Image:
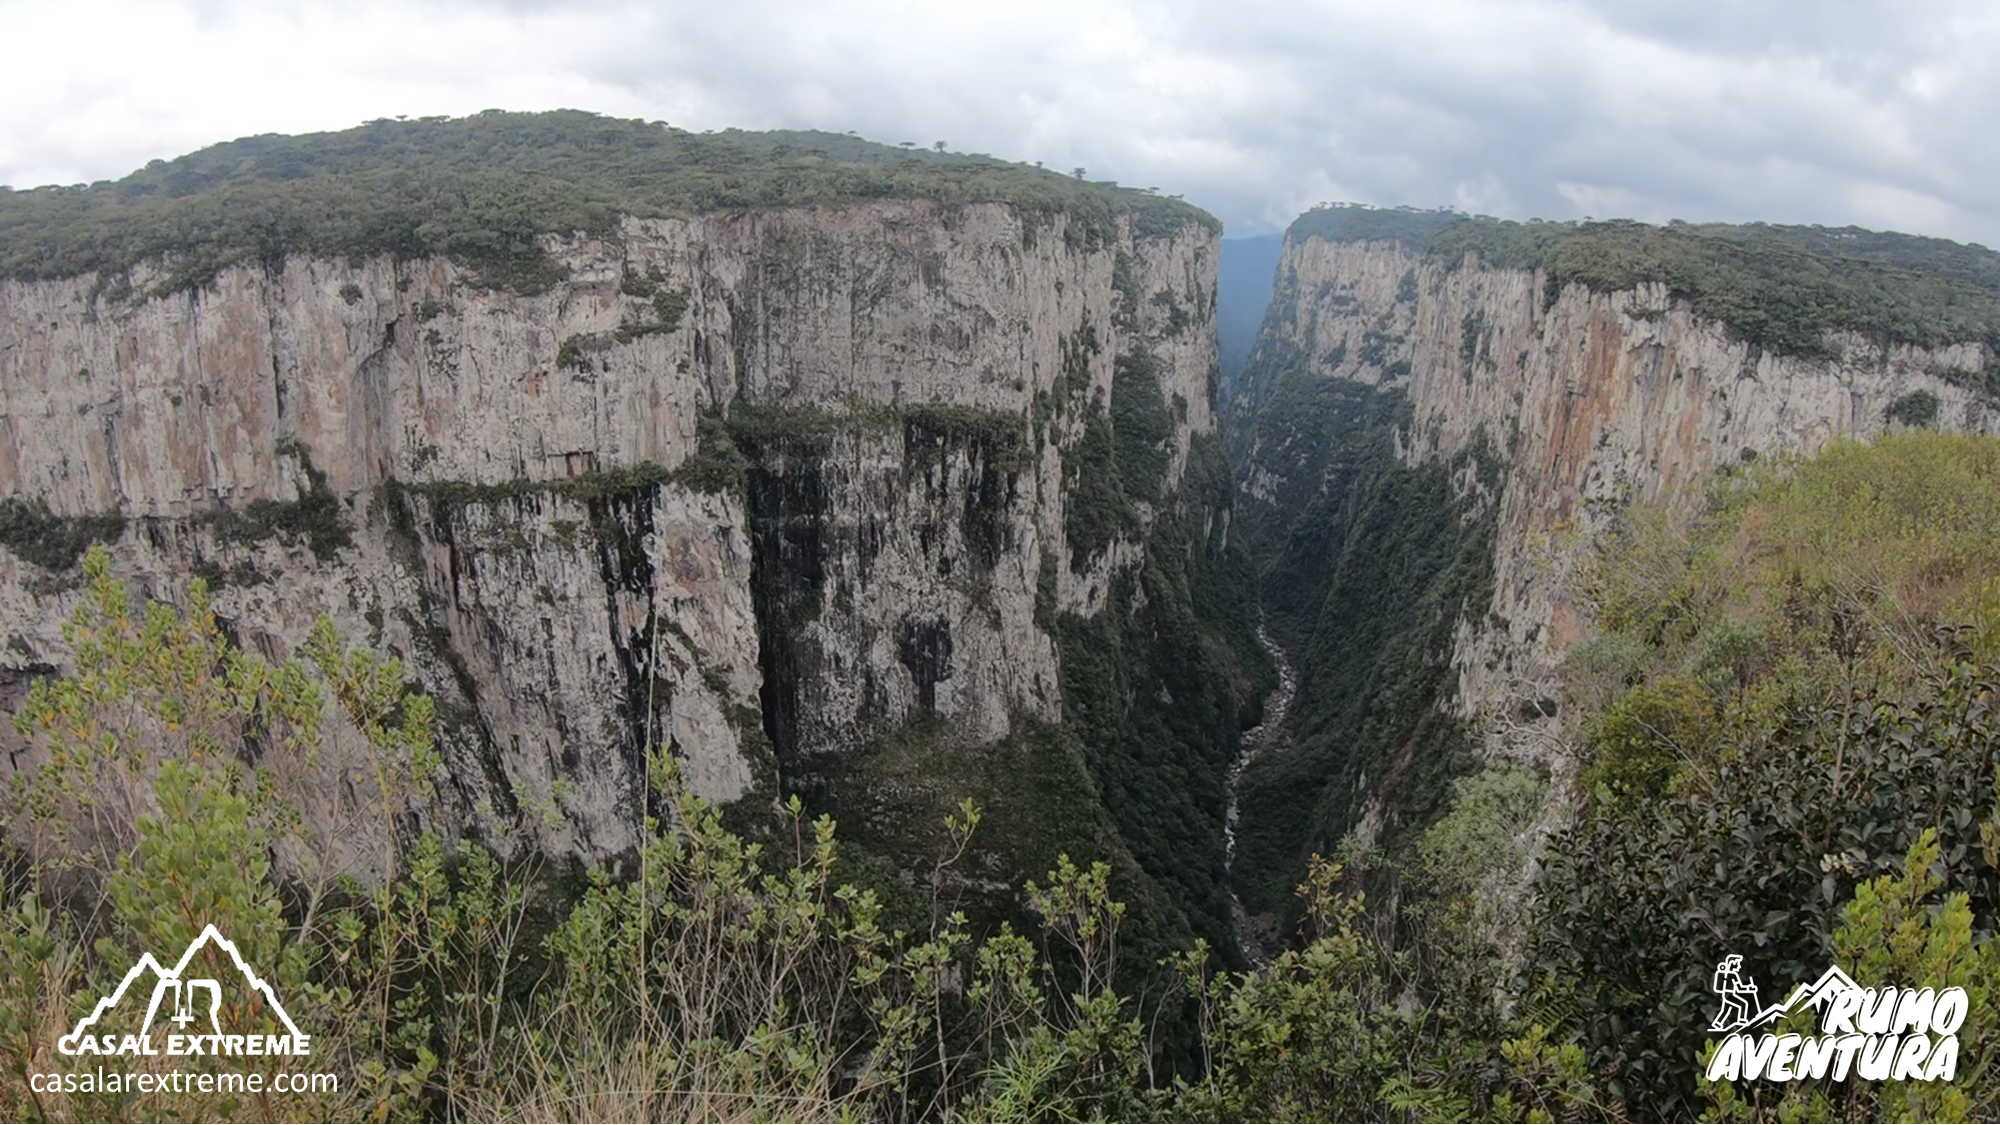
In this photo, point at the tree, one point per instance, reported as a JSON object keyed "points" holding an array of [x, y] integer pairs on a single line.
{"points": [[328, 745], [174, 781]]}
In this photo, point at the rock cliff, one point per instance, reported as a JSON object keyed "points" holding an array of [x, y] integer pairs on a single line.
{"points": [[759, 485], [1541, 410]]}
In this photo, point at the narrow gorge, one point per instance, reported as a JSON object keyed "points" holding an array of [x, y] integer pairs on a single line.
{"points": [[619, 622], [885, 479]]}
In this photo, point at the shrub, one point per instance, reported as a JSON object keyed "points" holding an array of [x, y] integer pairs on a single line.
{"points": [[1781, 701], [316, 517], [1754, 853], [569, 357], [1804, 576], [1918, 408], [1639, 746], [52, 542]]}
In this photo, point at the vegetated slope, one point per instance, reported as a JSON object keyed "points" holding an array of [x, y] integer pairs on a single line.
{"points": [[1366, 568], [481, 190], [1773, 705], [1818, 802]]}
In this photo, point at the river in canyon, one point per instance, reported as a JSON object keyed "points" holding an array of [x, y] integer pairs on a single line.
{"points": [[1255, 742]]}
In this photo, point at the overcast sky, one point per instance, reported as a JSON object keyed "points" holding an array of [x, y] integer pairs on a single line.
{"points": [[1826, 111]]}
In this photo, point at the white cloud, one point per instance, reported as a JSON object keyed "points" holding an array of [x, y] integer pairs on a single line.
{"points": [[1833, 111]]}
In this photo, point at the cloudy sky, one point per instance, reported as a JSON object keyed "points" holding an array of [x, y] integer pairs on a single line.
{"points": [[1826, 111]]}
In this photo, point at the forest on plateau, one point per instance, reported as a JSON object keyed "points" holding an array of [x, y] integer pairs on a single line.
{"points": [[1780, 287], [483, 189]]}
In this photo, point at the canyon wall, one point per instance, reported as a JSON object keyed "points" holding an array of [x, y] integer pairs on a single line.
{"points": [[1543, 413], [758, 485]]}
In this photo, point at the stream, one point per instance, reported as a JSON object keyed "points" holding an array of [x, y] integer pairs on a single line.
{"points": [[1254, 742]]}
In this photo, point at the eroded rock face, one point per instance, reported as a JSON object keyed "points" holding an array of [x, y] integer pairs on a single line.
{"points": [[510, 475], [1592, 402]]}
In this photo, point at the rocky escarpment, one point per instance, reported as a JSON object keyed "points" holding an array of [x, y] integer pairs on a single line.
{"points": [[1524, 415], [761, 486]]}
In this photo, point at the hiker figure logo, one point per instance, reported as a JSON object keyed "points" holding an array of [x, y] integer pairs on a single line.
{"points": [[1875, 1034], [183, 1013], [1733, 986]]}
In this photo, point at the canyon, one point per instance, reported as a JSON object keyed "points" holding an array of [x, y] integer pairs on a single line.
{"points": [[885, 491]]}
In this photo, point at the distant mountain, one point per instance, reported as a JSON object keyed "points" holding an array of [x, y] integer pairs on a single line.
{"points": [[1248, 265]]}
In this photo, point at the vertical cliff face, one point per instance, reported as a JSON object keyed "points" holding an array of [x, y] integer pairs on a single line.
{"points": [[1531, 414], [762, 486]]}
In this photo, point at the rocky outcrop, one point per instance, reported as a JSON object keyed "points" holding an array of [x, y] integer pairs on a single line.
{"points": [[1591, 401], [755, 485]]}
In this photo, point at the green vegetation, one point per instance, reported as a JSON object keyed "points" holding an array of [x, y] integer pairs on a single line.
{"points": [[1760, 845], [569, 356], [242, 575], [1804, 578], [706, 976], [999, 436], [1153, 685], [316, 517], [52, 542], [668, 307], [1366, 566], [1038, 798], [1157, 686], [1142, 427], [483, 189], [1789, 740], [1780, 287], [1355, 223], [1918, 408], [1095, 510], [1781, 705], [1121, 458], [716, 465]]}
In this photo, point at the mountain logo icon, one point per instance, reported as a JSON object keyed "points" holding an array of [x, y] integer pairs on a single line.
{"points": [[1895, 1033], [183, 1013], [1738, 994]]}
